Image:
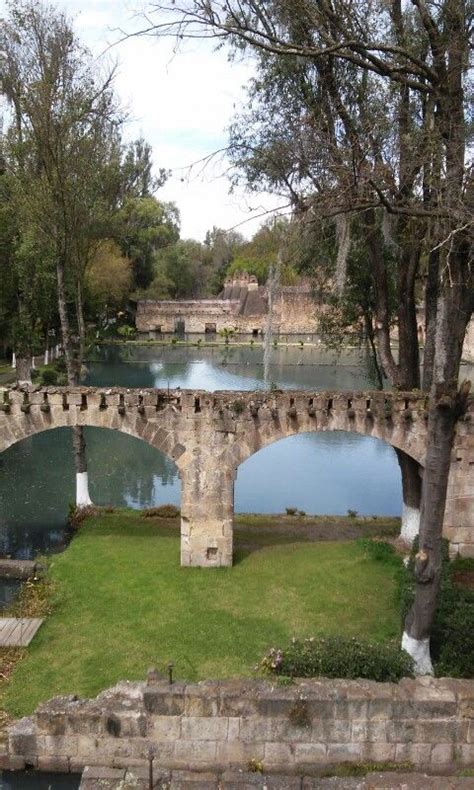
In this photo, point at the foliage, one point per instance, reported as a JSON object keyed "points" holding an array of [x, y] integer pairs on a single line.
{"points": [[126, 331], [291, 511], [339, 657], [162, 511], [143, 226], [108, 278], [49, 376]]}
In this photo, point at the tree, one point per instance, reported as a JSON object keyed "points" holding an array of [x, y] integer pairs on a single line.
{"points": [[419, 53], [61, 138], [143, 226], [108, 278]]}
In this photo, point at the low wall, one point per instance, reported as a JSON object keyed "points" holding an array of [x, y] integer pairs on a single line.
{"points": [[215, 725]]}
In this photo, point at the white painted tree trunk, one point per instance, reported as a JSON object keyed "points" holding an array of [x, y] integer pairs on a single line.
{"points": [[82, 490], [13, 360], [419, 650], [46, 356], [410, 523]]}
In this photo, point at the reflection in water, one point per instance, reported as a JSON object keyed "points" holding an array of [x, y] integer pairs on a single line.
{"points": [[323, 473]]}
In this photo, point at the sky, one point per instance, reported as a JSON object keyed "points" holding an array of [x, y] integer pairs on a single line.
{"points": [[181, 103]]}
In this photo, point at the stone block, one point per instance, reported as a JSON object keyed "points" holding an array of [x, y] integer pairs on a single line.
{"points": [[195, 753], [331, 730], [417, 753], [159, 700], [378, 752], [200, 705], [344, 752], [280, 754], [238, 753], [60, 745], [363, 730], [164, 728], [52, 764], [190, 780], [465, 754], [202, 728], [11, 762], [442, 754], [310, 753], [101, 772]]}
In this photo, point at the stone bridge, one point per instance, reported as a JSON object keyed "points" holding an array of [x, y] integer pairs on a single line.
{"points": [[208, 435]]}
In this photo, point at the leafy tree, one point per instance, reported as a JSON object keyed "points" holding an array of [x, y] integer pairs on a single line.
{"points": [[143, 226], [108, 278], [60, 142]]}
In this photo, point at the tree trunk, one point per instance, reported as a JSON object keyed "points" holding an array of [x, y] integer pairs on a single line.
{"points": [[82, 483], [454, 310], [411, 487], [23, 370]]}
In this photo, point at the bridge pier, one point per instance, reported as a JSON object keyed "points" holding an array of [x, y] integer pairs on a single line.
{"points": [[458, 524], [207, 512]]}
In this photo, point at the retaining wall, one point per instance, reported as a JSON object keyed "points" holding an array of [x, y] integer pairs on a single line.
{"points": [[217, 725]]}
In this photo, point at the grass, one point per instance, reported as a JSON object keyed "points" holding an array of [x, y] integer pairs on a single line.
{"points": [[121, 603]]}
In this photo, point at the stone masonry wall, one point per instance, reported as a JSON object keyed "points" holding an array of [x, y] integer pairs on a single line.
{"points": [[217, 725]]}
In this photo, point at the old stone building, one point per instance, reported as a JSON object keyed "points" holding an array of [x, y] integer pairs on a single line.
{"points": [[241, 306]]}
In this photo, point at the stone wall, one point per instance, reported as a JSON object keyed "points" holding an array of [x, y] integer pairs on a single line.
{"points": [[162, 316], [216, 725]]}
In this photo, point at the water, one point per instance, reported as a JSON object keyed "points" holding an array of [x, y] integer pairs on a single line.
{"points": [[325, 473], [22, 780]]}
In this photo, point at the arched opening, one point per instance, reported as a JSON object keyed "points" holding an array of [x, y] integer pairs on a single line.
{"points": [[325, 473], [37, 484]]}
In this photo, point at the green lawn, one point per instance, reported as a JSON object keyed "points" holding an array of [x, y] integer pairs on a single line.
{"points": [[122, 603]]}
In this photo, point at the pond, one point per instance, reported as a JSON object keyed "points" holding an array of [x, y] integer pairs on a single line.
{"points": [[326, 473]]}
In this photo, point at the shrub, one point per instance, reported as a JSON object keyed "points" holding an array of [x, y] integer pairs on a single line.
{"points": [[162, 511], [339, 657], [452, 636], [60, 364], [291, 511], [49, 376], [352, 513], [126, 331], [302, 513]]}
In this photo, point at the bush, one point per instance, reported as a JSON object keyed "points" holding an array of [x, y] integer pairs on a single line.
{"points": [[452, 636], [352, 513], [60, 364], [163, 511], [49, 376], [291, 511], [339, 657], [126, 331]]}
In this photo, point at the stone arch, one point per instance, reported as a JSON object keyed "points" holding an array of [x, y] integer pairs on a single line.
{"points": [[17, 425], [253, 440]]}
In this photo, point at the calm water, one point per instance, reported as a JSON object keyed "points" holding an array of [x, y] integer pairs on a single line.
{"points": [[318, 473], [33, 781]]}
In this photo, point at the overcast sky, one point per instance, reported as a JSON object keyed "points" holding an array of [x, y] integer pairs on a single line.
{"points": [[181, 103]]}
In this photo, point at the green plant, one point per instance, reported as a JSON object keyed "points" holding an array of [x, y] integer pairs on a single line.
{"points": [[255, 766], [162, 511], [352, 513], [126, 331], [238, 407], [339, 657], [302, 513], [291, 511], [60, 365], [49, 376], [174, 340]]}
